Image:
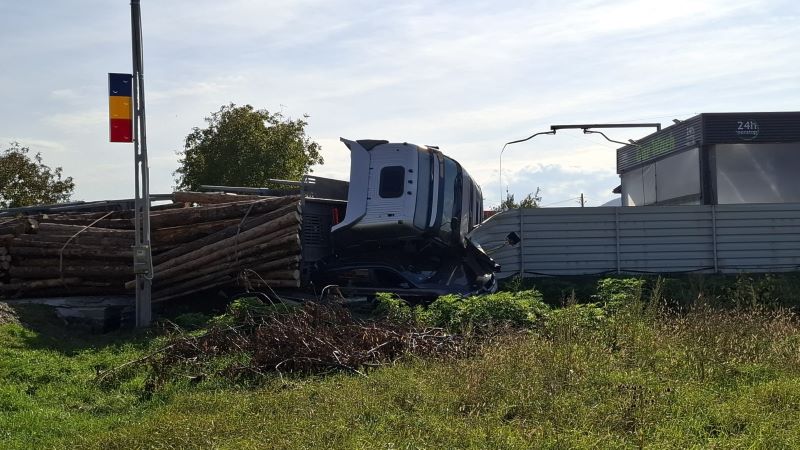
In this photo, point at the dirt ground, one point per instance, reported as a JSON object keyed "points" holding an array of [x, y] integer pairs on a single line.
{"points": [[7, 314]]}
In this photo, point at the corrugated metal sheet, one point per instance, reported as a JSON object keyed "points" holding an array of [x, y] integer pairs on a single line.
{"points": [[649, 239]]}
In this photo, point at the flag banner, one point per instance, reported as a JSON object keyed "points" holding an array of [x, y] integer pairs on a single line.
{"points": [[120, 107]]}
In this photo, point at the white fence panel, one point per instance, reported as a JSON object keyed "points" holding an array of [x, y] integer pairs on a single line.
{"points": [[649, 239]]}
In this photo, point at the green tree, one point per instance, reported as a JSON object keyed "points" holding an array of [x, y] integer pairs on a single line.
{"points": [[532, 200], [25, 180], [243, 146]]}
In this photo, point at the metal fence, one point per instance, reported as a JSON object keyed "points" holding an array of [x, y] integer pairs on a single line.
{"points": [[647, 239]]}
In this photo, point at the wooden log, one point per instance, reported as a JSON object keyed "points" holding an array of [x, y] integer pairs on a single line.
{"points": [[116, 224], [84, 251], [210, 198], [41, 284], [175, 217], [281, 261], [272, 241], [81, 239], [226, 233], [290, 220], [13, 227], [108, 271], [57, 228], [88, 217], [28, 242], [187, 233], [175, 205], [289, 241], [54, 261]]}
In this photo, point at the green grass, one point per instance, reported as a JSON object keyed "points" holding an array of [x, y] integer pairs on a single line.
{"points": [[615, 375]]}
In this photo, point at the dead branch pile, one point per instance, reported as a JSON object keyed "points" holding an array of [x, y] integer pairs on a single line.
{"points": [[314, 338], [200, 241]]}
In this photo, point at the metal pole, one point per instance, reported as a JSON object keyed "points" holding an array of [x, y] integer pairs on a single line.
{"points": [[142, 260]]}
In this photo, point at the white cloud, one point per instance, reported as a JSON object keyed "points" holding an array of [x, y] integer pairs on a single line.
{"points": [[35, 144], [79, 121], [466, 76]]}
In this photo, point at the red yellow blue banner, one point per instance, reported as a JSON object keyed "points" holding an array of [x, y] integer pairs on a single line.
{"points": [[120, 107]]}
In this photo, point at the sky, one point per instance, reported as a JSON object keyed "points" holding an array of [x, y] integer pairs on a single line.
{"points": [[467, 76]]}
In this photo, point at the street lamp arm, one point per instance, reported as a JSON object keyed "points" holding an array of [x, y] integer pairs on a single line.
{"points": [[504, 149], [526, 139], [585, 131]]}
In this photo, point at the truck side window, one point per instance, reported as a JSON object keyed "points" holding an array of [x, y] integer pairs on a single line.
{"points": [[392, 182]]}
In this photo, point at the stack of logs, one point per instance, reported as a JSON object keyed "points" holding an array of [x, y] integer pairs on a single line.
{"points": [[200, 241]]}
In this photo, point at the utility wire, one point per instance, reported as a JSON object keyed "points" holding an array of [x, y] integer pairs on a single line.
{"points": [[561, 201]]}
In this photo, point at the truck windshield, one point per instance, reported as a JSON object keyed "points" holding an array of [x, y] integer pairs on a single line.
{"points": [[450, 207]]}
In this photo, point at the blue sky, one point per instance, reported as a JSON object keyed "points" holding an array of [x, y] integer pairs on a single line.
{"points": [[467, 76]]}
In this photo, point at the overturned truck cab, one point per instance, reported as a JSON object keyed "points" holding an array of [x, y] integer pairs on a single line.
{"points": [[405, 227]]}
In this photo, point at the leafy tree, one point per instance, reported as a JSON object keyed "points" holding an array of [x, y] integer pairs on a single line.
{"points": [[532, 200], [25, 180], [243, 146]]}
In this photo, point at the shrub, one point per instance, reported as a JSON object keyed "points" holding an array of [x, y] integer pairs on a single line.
{"points": [[614, 293], [191, 321], [393, 308], [456, 313], [519, 309], [587, 316]]}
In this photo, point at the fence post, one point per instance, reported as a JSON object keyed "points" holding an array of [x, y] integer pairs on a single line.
{"points": [[714, 236], [521, 244], [616, 238]]}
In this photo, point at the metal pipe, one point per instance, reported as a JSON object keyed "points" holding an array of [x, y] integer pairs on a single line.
{"points": [[655, 125]]}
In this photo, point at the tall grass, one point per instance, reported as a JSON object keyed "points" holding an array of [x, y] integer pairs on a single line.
{"points": [[626, 369]]}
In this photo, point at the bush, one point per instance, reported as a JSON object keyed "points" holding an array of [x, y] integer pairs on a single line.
{"points": [[191, 321], [587, 316], [455, 313], [394, 308], [245, 309], [615, 293]]}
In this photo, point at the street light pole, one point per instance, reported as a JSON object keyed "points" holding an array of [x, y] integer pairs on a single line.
{"points": [[504, 149], [142, 256]]}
